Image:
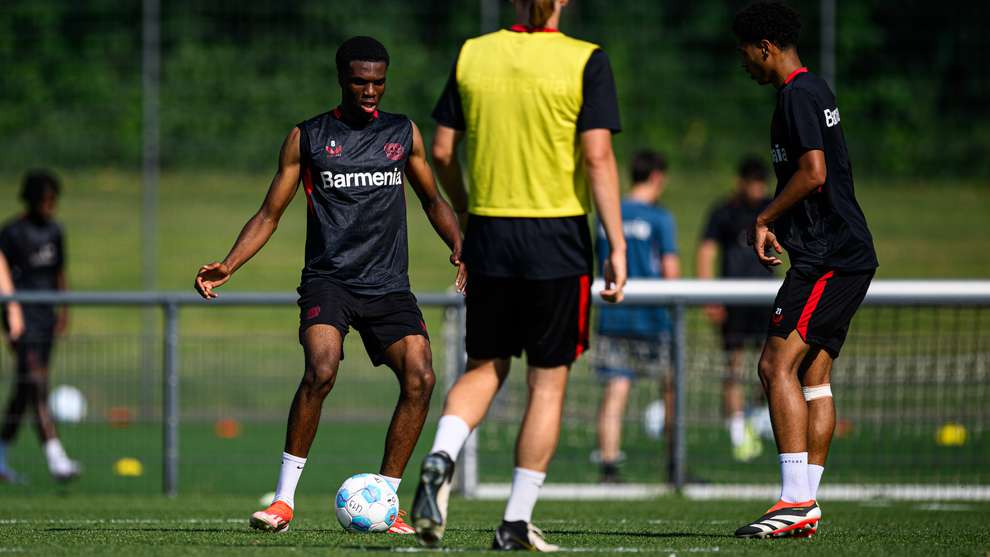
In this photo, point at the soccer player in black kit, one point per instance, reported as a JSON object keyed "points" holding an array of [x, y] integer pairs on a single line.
{"points": [[34, 246], [815, 216], [351, 161]]}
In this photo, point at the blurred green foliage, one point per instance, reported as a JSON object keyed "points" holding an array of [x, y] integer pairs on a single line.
{"points": [[236, 76]]}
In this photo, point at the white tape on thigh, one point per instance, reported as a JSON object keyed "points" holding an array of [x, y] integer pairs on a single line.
{"points": [[818, 391]]}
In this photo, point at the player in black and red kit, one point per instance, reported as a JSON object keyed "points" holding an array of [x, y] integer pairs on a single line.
{"points": [[351, 161], [34, 246], [815, 216]]}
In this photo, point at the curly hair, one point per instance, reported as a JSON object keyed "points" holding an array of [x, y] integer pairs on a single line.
{"points": [[364, 49], [773, 21], [36, 185]]}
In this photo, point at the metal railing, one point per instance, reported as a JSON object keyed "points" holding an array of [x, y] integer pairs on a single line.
{"points": [[677, 294]]}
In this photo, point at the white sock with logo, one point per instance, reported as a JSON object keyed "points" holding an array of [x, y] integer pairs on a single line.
{"points": [[815, 472], [452, 433], [794, 477], [288, 478], [526, 486], [737, 428], [394, 482]]}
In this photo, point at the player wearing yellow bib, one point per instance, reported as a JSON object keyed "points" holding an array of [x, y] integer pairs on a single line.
{"points": [[535, 110]]}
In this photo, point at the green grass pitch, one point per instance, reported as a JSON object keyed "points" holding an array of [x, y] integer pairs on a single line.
{"points": [[214, 526]]}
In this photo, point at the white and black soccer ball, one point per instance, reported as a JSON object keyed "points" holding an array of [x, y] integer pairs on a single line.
{"points": [[366, 503]]}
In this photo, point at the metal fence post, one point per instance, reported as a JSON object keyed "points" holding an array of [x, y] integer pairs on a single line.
{"points": [[680, 404], [170, 395]]}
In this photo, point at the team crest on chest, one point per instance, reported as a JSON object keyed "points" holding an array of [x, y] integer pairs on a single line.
{"points": [[333, 150], [394, 151]]}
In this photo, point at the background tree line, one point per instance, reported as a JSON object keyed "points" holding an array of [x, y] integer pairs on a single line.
{"points": [[236, 76]]}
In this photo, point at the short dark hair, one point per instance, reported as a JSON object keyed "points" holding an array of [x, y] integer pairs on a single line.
{"points": [[753, 169], [365, 49], [773, 21], [36, 184], [645, 162]]}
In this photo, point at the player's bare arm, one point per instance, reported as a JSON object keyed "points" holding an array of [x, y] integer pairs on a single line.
{"points": [[603, 175], [705, 269], [809, 177], [445, 142], [15, 318], [436, 208], [62, 319], [262, 225]]}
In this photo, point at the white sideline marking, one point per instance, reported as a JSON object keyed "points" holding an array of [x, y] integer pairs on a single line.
{"points": [[603, 549], [943, 507], [833, 492], [572, 492], [123, 521]]}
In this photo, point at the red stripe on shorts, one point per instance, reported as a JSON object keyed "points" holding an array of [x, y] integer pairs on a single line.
{"points": [[583, 301], [811, 304]]}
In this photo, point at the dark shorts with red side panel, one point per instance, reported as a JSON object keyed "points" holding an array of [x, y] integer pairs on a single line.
{"points": [[548, 319], [380, 319], [819, 305]]}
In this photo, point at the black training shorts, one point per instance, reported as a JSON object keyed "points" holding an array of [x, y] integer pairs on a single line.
{"points": [[819, 305], [34, 347], [548, 319], [744, 325], [380, 319]]}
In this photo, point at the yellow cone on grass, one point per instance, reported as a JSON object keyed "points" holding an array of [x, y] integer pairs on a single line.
{"points": [[951, 435], [128, 467]]}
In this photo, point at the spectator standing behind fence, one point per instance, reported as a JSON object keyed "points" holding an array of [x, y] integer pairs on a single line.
{"points": [[34, 246], [725, 236], [635, 340]]}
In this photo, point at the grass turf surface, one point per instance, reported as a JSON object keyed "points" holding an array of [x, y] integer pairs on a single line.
{"points": [[107, 525]]}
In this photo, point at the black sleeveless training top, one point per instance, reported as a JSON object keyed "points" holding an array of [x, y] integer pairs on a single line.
{"points": [[356, 224]]}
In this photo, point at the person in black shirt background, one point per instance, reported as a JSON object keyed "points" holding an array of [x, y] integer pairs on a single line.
{"points": [[815, 216], [725, 235], [34, 246]]}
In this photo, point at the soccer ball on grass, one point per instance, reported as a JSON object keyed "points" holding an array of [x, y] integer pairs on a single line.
{"points": [[366, 503]]}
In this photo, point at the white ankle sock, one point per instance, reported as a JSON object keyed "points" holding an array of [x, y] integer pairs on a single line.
{"points": [[394, 482], [525, 489], [794, 477], [288, 478], [55, 453], [737, 428], [452, 432], [815, 472]]}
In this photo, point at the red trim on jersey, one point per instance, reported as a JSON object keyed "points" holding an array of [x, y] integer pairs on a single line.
{"points": [[527, 29], [811, 304], [308, 186], [794, 74], [583, 300]]}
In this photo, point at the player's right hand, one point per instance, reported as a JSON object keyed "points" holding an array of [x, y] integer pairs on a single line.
{"points": [[209, 277], [615, 277]]}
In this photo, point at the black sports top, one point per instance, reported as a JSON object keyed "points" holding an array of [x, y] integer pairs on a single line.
{"points": [[356, 225], [827, 228]]}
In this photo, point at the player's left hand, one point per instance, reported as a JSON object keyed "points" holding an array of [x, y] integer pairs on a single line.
{"points": [[759, 237]]}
